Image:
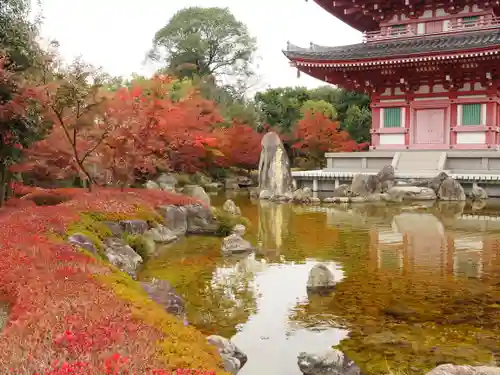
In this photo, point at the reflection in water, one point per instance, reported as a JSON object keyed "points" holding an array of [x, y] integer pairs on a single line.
{"points": [[274, 222], [271, 342], [418, 285]]}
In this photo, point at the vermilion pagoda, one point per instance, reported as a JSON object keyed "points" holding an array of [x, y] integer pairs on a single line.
{"points": [[431, 67]]}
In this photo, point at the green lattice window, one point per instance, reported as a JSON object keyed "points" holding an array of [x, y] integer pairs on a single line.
{"points": [[392, 117], [471, 114], [470, 21]]}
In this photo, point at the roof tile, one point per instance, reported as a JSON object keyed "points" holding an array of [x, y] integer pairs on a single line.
{"points": [[399, 47]]}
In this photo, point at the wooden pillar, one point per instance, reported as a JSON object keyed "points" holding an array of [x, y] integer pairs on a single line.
{"points": [[453, 119], [376, 113], [408, 119]]}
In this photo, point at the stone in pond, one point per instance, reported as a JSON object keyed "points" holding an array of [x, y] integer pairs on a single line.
{"points": [[231, 208], [82, 241], [478, 193], [320, 279], [449, 369], [200, 220], [232, 356], [329, 362], [239, 229], [122, 256], [165, 295], [235, 244], [451, 190]]}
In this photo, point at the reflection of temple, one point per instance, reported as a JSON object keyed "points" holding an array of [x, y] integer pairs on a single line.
{"points": [[443, 241]]}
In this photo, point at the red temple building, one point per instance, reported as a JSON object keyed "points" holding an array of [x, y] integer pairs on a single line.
{"points": [[431, 68]]}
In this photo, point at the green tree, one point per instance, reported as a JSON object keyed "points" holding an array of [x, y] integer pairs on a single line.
{"points": [[358, 122], [319, 106], [204, 41], [17, 34], [280, 108]]}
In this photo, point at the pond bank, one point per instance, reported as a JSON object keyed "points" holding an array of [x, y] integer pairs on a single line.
{"points": [[88, 310]]}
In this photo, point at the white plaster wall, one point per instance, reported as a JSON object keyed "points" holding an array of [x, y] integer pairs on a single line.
{"points": [[392, 139], [471, 138], [439, 88], [478, 86], [424, 89], [386, 92], [467, 87]]}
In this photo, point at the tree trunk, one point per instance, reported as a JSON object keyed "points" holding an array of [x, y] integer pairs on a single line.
{"points": [[3, 183]]}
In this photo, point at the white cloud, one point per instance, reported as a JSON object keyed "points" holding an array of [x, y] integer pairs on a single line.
{"points": [[116, 34]]}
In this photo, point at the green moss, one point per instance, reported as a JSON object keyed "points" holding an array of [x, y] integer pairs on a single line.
{"points": [[144, 246], [180, 347], [227, 221]]}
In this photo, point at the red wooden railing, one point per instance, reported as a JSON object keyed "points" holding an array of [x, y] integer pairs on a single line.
{"points": [[411, 31]]}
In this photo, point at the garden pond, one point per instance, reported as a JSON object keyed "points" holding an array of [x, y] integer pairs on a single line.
{"points": [[418, 285]]}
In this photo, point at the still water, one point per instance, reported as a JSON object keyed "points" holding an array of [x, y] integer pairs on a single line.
{"points": [[418, 287]]}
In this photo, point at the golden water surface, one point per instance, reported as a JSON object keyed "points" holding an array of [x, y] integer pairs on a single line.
{"points": [[418, 286]]}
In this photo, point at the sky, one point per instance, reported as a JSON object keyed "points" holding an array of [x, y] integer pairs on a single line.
{"points": [[116, 34]]}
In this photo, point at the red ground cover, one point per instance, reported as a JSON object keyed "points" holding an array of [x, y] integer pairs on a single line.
{"points": [[64, 320]]}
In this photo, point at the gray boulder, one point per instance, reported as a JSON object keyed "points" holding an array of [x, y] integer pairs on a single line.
{"points": [[449, 369], [167, 182], [151, 185], [320, 279], [197, 192], [478, 193], [230, 207], [200, 220], [329, 362], [239, 229], [303, 195], [235, 244], [161, 234], [82, 241], [115, 227], [342, 191], [274, 166], [175, 218], [232, 356], [122, 256], [435, 183], [364, 185], [451, 190], [165, 295], [134, 226], [409, 193]]}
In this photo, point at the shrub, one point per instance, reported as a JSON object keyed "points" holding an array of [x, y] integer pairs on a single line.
{"points": [[227, 222]]}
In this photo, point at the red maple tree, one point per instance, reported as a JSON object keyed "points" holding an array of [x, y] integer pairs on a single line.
{"points": [[240, 146], [315, 134]]}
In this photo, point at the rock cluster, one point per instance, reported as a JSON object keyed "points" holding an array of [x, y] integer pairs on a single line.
{"points": [[180, 220], [334, 362], [384, 187]]}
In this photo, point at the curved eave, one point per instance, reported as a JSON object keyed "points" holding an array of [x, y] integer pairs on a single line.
{"points": [[402, 59], [357, 21]]}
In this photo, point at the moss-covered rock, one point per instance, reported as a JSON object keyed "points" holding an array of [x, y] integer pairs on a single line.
{"points": [[227, 221], [142, 245]]}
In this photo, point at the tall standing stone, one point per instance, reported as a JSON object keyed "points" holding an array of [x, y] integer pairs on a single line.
{"points": [[275, 176]]}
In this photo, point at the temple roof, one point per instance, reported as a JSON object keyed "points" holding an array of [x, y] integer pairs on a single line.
{"points": [[397, 48]]}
